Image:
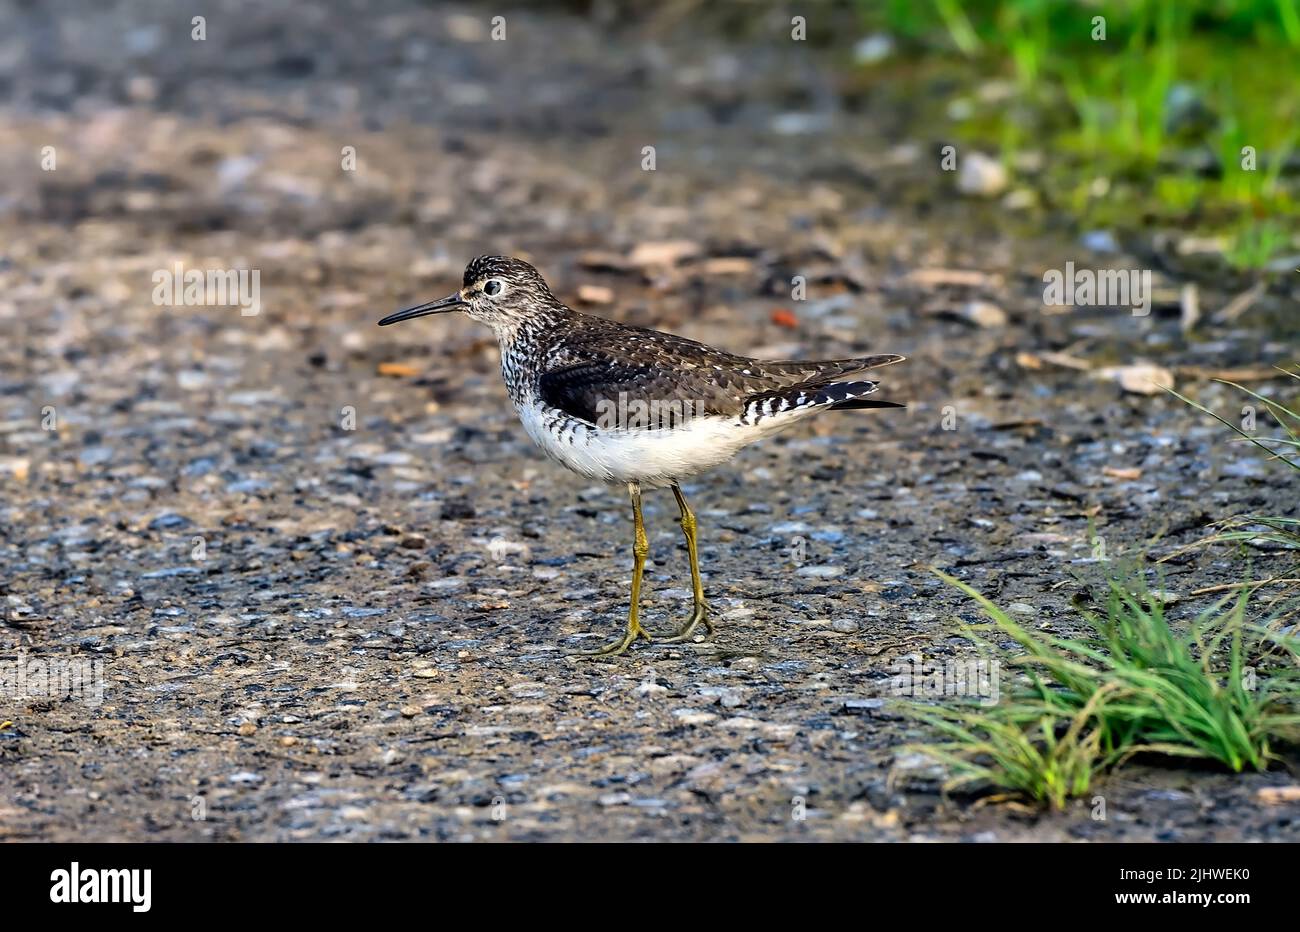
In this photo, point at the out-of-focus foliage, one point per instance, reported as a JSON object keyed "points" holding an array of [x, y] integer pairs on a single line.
{"points": [[1189, 109]]}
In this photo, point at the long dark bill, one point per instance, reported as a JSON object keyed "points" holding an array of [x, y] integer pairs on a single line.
{"points": [[441, 306]]}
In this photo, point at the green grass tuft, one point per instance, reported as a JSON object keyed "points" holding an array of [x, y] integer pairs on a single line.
{"points": [[1133, 684]]}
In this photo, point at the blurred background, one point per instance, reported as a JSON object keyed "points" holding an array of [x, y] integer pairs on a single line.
{"points": [[857, 144], [820, 179]]}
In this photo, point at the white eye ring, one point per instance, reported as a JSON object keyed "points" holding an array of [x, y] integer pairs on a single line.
{"points": [[494, 292]]}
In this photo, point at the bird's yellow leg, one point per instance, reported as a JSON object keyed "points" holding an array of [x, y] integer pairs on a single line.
{"points": [[700, 611], [640, 549]]}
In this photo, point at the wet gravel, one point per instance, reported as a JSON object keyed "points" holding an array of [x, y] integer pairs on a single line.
{"points": [[333, 587]]}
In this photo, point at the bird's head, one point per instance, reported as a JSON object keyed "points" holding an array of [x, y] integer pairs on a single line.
{"points": [[498, 290]]}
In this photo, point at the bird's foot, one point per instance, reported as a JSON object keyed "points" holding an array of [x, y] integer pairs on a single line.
{"points": [[700, 614], [613, 649]]}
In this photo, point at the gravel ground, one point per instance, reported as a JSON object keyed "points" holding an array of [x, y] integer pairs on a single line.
{"points": [[332, 586]]}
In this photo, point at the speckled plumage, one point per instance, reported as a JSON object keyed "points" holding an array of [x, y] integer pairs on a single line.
{"points": [[573, 378]]}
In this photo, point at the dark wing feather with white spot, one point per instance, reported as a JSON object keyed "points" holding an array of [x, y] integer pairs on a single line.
{"points": [[830, 395]]}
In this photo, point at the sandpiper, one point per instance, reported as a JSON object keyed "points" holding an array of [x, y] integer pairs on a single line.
{"points": [[639, 407]]}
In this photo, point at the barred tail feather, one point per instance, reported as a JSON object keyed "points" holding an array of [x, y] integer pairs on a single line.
{"points": [[811, 396]]}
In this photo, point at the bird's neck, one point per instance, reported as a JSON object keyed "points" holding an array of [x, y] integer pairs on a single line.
{"points": [[522, 333], [524, 343]]}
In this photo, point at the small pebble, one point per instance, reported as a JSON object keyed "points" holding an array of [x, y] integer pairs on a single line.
{"points": [[980, 176]]}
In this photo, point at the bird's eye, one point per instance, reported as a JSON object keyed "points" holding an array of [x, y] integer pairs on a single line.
{"points": [[493, 287]]}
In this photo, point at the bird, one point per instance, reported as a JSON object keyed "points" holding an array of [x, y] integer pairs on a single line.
{"points": [[636, 407]]}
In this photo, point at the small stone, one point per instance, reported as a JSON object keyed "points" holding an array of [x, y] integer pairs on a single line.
{"points": [[650, 803], [1139, 378], [821, 572], [980, 176], [142, 89], [983, 314], [463, 27], [191, 380], [1100, 241], [595, 294], [1022, 608], [739, 613], [730, 697], [707, 776], [870, 50], [799, 123], [1276, 795], [844, 625], [18, 467], [918, 765], [1244, 469], [1020, 199], [410, 711], [1189, 305], [457, 509], [862, 705], [169, 521], [1168, 796], [790, 527], [247, 730], [354, 611], [578, 595], [1122, 472], [726, 265], [1200, 245], [672, 764], [668, 253], [694, 716], [95, 456]]}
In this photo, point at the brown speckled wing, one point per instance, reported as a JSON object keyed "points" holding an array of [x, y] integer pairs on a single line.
{"points": [[598, 364]]}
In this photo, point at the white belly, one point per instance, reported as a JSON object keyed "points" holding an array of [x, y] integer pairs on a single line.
{"points": [[651, 457]]}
